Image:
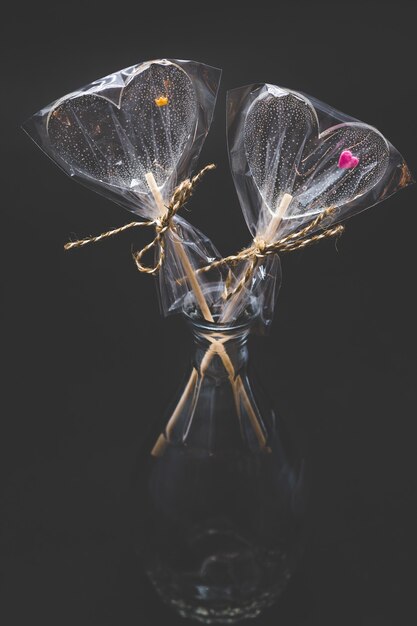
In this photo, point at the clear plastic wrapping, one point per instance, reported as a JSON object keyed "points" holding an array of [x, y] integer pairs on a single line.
{"points": [[294, 158], [298, 166], [143, 124]]}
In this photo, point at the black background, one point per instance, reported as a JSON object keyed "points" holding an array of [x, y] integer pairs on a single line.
{"points": [[89, 363]]}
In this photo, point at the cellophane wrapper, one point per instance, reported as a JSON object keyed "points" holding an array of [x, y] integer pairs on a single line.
{"points": [[153, 118], [282, 142]]}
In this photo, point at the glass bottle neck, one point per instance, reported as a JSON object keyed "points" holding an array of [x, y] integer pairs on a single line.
{"points": [[218, 409], [221, 351]]}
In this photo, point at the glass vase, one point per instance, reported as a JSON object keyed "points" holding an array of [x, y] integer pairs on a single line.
{"points": [[221, 496]]}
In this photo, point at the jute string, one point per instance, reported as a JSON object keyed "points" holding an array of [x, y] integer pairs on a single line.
{"points": [[260, 249], [162, 224]]}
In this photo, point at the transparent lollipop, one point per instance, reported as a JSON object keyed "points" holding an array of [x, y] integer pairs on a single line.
{"points": [[300, 172], [134, 136], [294, 160], [146, 132]]}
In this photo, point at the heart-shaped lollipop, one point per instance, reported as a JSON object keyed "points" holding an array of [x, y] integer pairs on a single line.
{"points": [[290, 160], [134, 136], [117, 139], [299, 168]]}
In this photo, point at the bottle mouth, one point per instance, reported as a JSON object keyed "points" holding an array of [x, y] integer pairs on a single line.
{"points": [[246, 319]]}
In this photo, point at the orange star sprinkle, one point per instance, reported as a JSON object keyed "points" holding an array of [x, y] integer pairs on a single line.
{"points": [[162, 101]]}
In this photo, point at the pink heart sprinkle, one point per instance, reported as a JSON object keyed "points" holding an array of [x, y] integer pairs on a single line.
{"points": [[347, 160]]}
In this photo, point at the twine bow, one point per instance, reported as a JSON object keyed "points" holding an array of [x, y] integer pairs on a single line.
{"points": [[162, 225], [260, 249]]}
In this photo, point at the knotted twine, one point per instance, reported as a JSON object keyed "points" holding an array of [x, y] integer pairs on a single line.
{"points": [[260, 249], [162, 225], [255, 253]]}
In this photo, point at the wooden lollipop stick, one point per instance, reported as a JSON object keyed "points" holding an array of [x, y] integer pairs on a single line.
{"points": [[163, 438], [272, 227], [214, 348], [268, 235], [185, 261], [190, 273]]}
